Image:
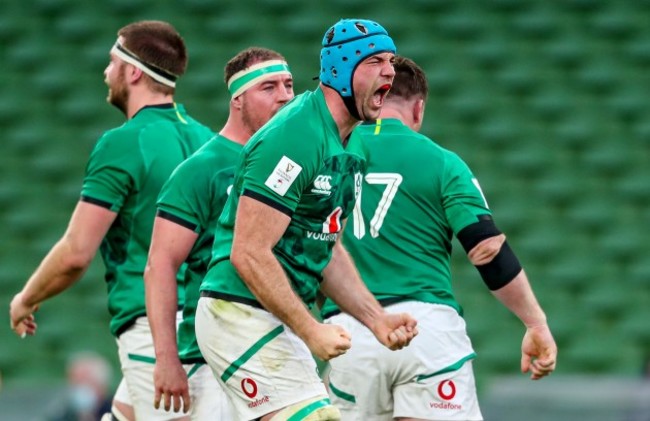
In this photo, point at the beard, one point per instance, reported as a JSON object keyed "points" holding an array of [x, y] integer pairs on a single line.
{"points": [[251, 118], [118, 94]]}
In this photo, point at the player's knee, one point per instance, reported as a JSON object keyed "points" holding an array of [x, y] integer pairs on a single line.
{"points": [[115, 415], [315, 409]]}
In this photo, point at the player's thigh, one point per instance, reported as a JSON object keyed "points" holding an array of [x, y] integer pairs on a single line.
{"points": [[137, 359], [262, 364], [121, 408], [209, 401], [447, 396]]}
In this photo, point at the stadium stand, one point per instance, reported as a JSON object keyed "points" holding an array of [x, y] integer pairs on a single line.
{"points": [[546, 101]]}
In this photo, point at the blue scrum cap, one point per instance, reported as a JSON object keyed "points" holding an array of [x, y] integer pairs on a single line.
{"points": [[345, 45]]}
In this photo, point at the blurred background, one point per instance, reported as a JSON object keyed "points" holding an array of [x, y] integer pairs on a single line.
{"points": [[547, 101]]}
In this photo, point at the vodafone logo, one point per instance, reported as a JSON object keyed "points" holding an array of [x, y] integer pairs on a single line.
{"points": [[249, 387], [446, 390]]}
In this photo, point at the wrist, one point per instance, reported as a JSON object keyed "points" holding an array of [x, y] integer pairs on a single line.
{"points": [[306, 327], [535, 323], [166, 353], [371, 315], [27, 300]]}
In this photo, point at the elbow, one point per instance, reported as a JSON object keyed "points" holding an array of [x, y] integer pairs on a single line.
{"points": [[239, 257], [243, 258], [161, 268], [77, 260], [148, 273], [485, 251], [75, 254], [501, 269]]}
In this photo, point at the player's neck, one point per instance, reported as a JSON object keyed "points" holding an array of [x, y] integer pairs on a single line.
{"points": [[138, 100], [400, 111], [235, 130], [344, 121]]}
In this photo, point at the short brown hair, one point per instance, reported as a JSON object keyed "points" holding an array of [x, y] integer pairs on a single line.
{"points": [[247, 58], [409, 81], [159, 44]]}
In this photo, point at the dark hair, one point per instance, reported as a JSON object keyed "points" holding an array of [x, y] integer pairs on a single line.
{"points": [[409, 81], [158, 44], [247, 58]]}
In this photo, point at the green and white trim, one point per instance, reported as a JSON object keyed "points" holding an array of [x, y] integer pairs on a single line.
{"points": [[244, 79], [250, 352], [454, 367]]}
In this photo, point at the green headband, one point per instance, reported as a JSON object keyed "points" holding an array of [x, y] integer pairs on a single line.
{"points": [[244, 79]]}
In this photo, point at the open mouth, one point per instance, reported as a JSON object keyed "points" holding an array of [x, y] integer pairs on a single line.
{"points": [[380, 94]]}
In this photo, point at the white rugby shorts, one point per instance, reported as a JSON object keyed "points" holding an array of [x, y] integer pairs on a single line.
{"points": [[430, 379], [261, 363], [137, 358]]}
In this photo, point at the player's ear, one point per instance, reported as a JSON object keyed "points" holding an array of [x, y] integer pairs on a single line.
{"points": [[418, 112], [133, 74], [237, 102]]}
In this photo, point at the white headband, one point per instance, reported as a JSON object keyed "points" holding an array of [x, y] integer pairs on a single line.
{"points": [[156, 73], [244, 79]]}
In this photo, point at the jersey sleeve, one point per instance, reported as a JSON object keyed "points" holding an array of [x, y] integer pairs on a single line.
{"points": [[279, 168], [462, 197], [110, 173], [182, 199]]}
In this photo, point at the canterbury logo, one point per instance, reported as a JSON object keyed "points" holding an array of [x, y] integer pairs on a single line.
{"points": [[322, 185]]}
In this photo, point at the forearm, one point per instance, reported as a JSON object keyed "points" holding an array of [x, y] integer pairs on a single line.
{"points": [[343, 285], [61, 268], [266, 279], [519, 298], [162, 304]]}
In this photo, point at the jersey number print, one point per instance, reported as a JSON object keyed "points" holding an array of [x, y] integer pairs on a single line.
{"points": [[392, 182]]}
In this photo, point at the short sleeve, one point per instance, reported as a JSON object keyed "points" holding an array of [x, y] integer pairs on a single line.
{"points": [[462, 197], [279, 168], [110, 172], [183, 197]]}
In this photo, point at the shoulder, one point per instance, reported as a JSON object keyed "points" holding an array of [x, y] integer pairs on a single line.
{"points": [[293, 126], [134, 130], [449, 160], [212, 157], [116, 139], [118, 134], [430, 147], [300, 114], [200, 129]]}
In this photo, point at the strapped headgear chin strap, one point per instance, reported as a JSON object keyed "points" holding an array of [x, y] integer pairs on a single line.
{"points": [[244, 79], [156, 73]]}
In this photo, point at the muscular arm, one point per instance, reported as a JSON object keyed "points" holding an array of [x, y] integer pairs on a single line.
{"points": [[539, 351], [343, 285], [170, 245], [518, 297], [258, 228], [252, 255], [538, 348], [66, 262]]}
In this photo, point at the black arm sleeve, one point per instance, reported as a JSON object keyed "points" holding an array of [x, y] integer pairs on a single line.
{"points": [[505, 265]]}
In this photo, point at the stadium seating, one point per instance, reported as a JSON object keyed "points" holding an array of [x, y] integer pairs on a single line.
{"points": [[547, 102]]}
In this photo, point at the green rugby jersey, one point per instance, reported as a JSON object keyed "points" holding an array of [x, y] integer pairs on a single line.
{"points": [[297, 164], [416, 195], [125, 173], [194, 197]]}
